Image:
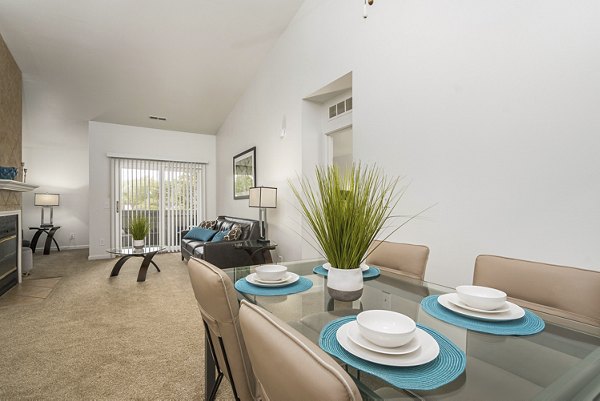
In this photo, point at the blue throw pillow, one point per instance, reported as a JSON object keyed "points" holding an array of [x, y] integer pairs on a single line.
{"points": [[200, 234], [219, 236]]}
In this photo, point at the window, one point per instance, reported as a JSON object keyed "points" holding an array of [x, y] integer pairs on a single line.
{"points": [[169, 194]]}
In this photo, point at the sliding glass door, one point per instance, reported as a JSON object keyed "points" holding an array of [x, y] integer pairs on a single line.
{"points": [[169, 194]]}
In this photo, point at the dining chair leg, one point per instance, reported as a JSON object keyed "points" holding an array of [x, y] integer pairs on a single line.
{"points": [[217, 383], [228, 369], [213, 392]]}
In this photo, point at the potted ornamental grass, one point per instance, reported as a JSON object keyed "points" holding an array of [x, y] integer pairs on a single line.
{"points": [[139, 227], [345, 211]]}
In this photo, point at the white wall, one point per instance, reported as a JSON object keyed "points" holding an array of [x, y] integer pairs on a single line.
{"points": [[107, 138], [55, 153], [490, 109]]}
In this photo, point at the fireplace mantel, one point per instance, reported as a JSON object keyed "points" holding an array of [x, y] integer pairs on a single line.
{"points": [[17, 186]]}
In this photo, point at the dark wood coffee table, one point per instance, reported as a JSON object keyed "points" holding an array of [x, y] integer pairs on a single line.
{"points": [[146, 252]]}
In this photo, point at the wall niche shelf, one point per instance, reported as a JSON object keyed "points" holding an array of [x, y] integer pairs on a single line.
{"points": [[17, 186]]}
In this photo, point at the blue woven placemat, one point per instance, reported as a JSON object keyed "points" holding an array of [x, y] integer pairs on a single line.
{"points": [[370, 274], [448, 365], [525, 326], [302, 284]]}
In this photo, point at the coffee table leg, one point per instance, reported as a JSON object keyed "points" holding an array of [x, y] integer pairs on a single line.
{"points": [[144, 266], [155, 265], [115, 271]]}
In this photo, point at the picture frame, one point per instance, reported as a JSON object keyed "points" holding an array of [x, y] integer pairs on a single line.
{"points": [[244, 173]]}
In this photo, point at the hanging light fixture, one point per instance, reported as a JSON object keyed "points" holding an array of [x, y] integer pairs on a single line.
{"points": [[369, 2]]}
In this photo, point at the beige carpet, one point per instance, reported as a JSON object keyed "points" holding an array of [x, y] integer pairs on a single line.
{"points": [[101, 338]]}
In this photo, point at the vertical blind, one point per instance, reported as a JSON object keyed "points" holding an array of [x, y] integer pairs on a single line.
{"points": [[169, 194]]}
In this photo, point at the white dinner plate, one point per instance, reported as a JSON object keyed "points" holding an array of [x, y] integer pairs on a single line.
{"points": [[456, 301], [428, 351], [285, 277], [355, 336], [363, 266], [514, 312], [293, 277]]}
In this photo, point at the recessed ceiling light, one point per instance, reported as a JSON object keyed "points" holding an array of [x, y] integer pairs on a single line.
{"points": [[158, 118]]}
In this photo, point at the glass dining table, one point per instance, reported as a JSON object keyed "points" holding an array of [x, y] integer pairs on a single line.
{"points": [[560, 363]]}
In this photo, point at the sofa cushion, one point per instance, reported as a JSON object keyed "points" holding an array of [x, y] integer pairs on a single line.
{"points": [[190, 244], [200, 234], [225, 225], [249, 227], [234, 234]]}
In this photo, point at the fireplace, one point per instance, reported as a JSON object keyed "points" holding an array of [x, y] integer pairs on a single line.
{"points": [[9, 275]]}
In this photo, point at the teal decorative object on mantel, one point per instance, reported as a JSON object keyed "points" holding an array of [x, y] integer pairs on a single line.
{"points": [[8, 173]]}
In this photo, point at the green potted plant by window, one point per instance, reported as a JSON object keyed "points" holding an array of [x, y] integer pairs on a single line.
{"points": [[345, 212], [139, 228]]}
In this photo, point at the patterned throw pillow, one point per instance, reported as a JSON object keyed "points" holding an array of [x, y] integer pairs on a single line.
{"points": [[210, 224], [234, 234]]}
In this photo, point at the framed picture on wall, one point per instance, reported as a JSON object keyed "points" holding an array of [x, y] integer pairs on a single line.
{"points": [[244, 173]]}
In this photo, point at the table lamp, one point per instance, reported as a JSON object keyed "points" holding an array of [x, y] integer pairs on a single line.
{"points": [[47, 200], [263, 198]]}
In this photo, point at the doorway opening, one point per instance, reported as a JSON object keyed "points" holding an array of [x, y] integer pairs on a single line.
{"points": [[340, 145]]}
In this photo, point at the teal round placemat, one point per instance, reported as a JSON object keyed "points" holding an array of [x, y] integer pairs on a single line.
{"points": [[370, 274], [448, 365], [525, 326], [302, 284]]}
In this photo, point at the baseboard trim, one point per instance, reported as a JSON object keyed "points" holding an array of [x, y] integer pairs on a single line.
{"points": [[67, 247], [62, 248], [100, 257]]}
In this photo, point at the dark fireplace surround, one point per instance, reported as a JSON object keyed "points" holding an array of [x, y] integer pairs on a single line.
{"points": [[9, 276]]}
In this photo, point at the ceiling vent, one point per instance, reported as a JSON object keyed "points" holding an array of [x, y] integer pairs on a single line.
{"points": [[158, 118], [340, 108]]}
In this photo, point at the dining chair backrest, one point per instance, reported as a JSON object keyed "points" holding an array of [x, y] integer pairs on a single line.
{"points": [[287, 365], [219, 308], [406, 259], [560, 290]]}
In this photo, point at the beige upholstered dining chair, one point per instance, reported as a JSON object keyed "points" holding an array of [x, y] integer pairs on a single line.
{"points": [[219, 308], [406, 259], [287, 365], [559, 290]]}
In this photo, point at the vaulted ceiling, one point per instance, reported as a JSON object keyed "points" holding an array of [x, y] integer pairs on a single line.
{"points": [[121, 61]]}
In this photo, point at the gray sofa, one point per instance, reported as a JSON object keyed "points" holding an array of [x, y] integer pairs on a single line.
{"points": [[224, 254]]}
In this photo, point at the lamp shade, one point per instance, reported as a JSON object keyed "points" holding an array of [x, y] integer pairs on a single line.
{"points": [[46, 199], [263, 197]]}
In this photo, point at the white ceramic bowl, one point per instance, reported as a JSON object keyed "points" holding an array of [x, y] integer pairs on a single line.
{"points": [[271, 272], [484, 298], [386, 328]]}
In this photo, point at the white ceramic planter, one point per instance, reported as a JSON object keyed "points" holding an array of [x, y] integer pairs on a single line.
{"points": [[138, 243], [345, 284]]}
